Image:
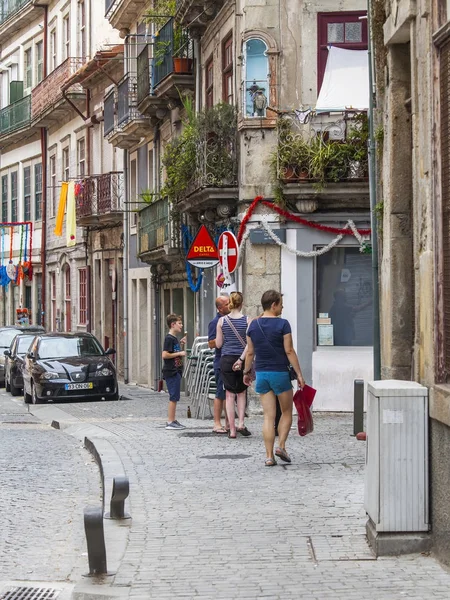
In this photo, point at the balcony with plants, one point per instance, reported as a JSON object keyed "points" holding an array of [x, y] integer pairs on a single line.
{"points": [[125, 126], [169, 71], [321, 160], [158, 234], [48, 98], [99, 199], [201, 164]]}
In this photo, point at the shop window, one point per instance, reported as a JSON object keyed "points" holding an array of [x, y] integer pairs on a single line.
{"points": [[344, 298], [256, 82], [342, 29]]}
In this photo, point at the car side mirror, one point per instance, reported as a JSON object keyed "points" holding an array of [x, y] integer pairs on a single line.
{"points": [[7, 352], [110, 351]]}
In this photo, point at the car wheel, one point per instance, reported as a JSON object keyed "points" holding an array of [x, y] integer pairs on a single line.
{"points": [[7, 386], [116, 396], [34, 398], [15, 391]]}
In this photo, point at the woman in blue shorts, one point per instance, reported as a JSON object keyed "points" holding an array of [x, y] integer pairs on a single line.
{"points": [[269, 339]]}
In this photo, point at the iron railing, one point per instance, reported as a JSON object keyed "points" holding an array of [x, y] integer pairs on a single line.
{"points": [[15, 115], [109, 105], [144, 75], [127, 99], [154, 229], [322, 147], [99, 194], [171, 44], [49, 90], [9, 7]]}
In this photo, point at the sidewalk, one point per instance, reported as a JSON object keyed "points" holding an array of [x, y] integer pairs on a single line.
{"points": [[210, 521]]}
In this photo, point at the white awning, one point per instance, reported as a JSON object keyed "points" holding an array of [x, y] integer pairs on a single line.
{"points": [[346, 81]]}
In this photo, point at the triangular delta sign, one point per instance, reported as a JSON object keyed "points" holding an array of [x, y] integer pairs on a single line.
{"points": [[203, 252]]}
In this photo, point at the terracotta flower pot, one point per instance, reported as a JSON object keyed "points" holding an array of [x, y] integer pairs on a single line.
{"points": [[182, 65]]}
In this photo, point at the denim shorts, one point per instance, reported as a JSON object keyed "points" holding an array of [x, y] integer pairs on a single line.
{"points": [[220, 391], [272, 381], [173, 384]]}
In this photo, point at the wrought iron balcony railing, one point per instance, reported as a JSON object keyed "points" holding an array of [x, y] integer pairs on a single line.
{"points": [[321, 148], [144, 75], [173, 52], [9, 7], [99, 194], [109, 109], [48, 92], [154, 229], [15, 115], [127, 100]]}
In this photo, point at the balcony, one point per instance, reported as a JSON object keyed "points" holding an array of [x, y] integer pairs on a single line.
{"points": [[18, 14], [196, 14], [48, 103], [322, 160], [157, 238], [123, 14], [15, 122], [171, 69], [126, 128], [98, 199]]}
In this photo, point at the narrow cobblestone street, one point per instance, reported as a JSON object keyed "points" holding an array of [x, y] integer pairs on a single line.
{"points": [[210, 521]]}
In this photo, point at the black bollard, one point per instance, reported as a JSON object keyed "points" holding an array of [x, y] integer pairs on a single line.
{"points": [[95, 538], [358, 406], [120, 491]]}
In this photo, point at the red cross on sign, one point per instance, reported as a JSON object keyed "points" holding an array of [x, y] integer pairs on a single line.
{"points": [[203, 252], [228, 251]]}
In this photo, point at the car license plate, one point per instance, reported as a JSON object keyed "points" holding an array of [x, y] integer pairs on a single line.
{"points": [[79, 386]]}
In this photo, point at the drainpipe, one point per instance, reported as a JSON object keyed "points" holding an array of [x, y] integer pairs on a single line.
{"points": [[126, 250], [44, 141], [197, 75], [373, 202]]}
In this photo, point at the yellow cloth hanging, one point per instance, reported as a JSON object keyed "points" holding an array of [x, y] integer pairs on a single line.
{"points": [[61, 209], [71, 223]]}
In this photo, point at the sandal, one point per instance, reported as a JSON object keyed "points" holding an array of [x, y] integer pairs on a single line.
{"points": [[220, 431], [232, 437], [283, 455], [243, 431], [270, 462]]}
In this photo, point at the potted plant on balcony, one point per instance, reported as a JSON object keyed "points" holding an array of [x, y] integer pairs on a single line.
{"points": [[290, 161], [357, 141], [182, 62]]}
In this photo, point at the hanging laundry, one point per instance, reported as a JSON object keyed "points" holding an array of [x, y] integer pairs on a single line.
{"points": [[71, 223], [61, 209]]}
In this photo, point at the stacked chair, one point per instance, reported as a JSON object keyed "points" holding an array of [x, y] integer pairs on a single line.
{"points": [[199, 377]]}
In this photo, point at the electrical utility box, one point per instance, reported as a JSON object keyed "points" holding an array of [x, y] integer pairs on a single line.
{"points": [[396, 478]]}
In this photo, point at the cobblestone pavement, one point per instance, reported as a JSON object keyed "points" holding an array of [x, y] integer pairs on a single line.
{"points": [[46, 479], [210, 521]]}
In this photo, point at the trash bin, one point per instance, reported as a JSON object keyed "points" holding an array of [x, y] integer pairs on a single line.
{"points": [[396, 478]]}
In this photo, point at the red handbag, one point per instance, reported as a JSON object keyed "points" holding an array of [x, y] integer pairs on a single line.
{"points": [[303, 400]]}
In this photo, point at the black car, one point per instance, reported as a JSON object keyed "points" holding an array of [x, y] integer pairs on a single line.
{"points": [[14, 362], [68, 366], [7, 334]]}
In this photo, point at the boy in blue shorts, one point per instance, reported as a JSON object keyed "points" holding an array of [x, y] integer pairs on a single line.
{"points": [[173, 367]]}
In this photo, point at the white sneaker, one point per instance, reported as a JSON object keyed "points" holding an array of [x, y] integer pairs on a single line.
{"points": [[175, 425], [179, 425]]}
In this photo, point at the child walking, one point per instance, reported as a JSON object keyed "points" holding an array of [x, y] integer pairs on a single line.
{"points": [[173, 367]]}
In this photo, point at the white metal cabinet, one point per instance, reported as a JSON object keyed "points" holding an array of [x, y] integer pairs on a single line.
{"points": [[396, 479]]}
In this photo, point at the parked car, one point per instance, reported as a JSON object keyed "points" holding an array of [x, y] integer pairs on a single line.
{"points": [[7, 334], [14, 362], [68, 366]]}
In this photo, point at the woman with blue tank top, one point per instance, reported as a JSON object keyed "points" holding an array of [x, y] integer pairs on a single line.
{"points": [[231, 337], [269, 341]]}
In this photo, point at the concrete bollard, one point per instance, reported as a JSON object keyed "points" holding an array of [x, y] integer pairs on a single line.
{"points": [[358, 406], [120, 491], [95, 538]]}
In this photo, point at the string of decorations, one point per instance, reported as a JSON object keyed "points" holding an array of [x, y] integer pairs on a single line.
{"points": [[187, 241], [23, 268], [292, 217]]}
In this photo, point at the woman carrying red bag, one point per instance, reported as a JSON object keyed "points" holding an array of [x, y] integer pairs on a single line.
{"points": [[269, 341]]}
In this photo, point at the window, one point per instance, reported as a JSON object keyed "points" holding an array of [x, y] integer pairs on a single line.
{"points": [[66, 37], [344, 294], [38, 192], [81, 157], [81, 29], [68, 300], [256, 84], [82, 296], [53, 298], [38, 280], [342, 29], [209, 81], [28, 69], [14, 196], [27, 193], [39, 62], [4, 198], [52, 162], [227, 70], [65, 164], [53, 50]]}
